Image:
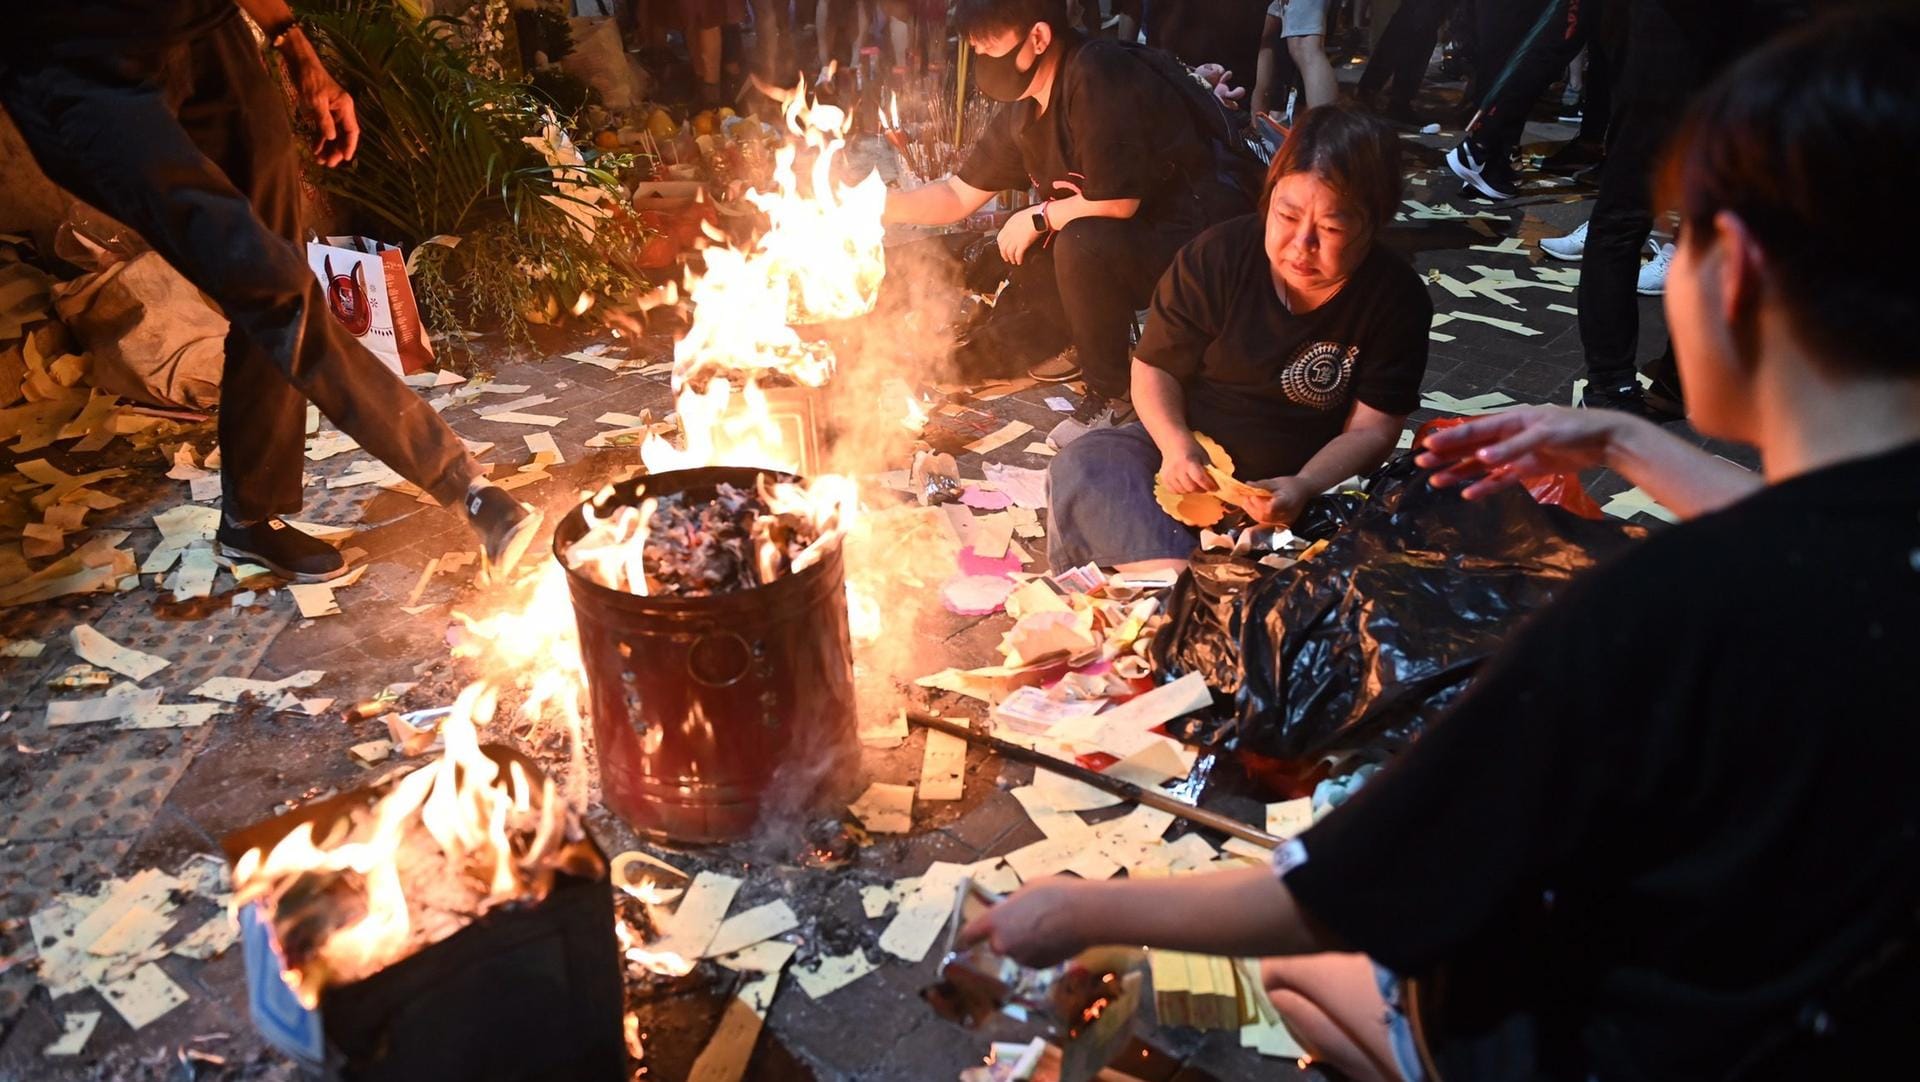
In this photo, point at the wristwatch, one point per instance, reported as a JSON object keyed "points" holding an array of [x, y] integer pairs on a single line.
{"points": [[1040, 220]]}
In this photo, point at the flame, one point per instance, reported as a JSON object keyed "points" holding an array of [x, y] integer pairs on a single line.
{"points": [[662, 963], [489, 829], [916, 417], [630, 1029], [820, 259]]}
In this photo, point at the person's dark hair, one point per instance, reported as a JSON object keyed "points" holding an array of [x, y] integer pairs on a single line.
{"points": [[1354, 152], [1813, 142], [992, 16]]}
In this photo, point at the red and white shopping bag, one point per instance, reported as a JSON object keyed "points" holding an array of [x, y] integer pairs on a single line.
{"points": [[367, 290]]}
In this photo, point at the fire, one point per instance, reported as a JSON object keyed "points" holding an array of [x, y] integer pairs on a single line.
{"points": [[461, 830], [916, 417], [820, 259], [611, 550], [630, 1029], [533, 641], [660, 963]]}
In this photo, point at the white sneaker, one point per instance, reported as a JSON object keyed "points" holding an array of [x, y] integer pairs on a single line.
{"points": [[1653, 273], [1570, 247]]}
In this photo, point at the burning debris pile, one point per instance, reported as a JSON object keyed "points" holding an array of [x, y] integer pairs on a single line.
{"points": [[681, 545], [461, 836]]}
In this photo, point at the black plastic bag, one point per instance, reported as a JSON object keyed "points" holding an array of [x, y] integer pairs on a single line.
{"points": [[1360, 647]]}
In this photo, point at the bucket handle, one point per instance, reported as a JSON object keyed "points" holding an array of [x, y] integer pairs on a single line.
{"points": [[719, 659]]}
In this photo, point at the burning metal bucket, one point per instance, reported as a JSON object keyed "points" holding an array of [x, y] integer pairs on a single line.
{"points": [[709, 710]]}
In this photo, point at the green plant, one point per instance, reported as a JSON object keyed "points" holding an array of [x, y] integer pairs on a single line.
{"points": [[447, 152]]}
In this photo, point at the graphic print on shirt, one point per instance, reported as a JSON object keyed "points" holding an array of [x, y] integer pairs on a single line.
{"points": [[1318, 375]]}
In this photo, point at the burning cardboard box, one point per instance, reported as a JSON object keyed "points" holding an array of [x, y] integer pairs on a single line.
{"points": [[455, 923]]}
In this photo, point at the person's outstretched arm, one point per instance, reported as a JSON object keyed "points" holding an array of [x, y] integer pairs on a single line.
{"points": [[1241, 913], [1510, 447], [942, 202]]}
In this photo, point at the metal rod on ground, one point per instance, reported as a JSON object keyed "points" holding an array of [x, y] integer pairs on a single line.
{"points": [[1126, 790]]}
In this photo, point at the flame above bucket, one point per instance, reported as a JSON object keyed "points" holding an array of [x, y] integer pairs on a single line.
{"points": [[820, 259]]}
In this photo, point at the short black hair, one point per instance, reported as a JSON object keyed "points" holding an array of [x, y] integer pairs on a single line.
{"points": [[991, 16], [1356, 153], [1809, 141]]}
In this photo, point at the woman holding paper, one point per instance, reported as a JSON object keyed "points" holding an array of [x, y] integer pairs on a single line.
{"points": [[1671, 831], [1292, 337]]}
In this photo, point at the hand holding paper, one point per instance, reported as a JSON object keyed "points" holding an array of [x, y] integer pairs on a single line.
{"points": [[1039, 925]]}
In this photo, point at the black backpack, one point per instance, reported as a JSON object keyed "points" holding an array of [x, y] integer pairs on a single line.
{"points": [[1236, 163]]}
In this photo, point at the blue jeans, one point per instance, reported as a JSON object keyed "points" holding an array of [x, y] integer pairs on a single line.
{"points": [[1406, 1048], [1102, 507]]}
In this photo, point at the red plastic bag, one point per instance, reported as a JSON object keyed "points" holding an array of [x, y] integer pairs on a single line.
{"points": [[1562, 490]]}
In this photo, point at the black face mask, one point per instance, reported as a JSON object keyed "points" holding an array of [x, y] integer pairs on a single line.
{"points": [[1001, 77]]}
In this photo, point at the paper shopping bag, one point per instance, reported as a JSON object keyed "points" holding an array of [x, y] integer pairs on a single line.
{"points": [[367, 291]]}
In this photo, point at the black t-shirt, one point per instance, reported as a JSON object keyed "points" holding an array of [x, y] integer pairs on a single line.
{"points": [[1680, 801], [1274, 387], [1113, 129], [61, 29]]}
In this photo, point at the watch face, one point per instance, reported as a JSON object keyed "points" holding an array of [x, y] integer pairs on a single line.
{"points": [[1040, 220]]}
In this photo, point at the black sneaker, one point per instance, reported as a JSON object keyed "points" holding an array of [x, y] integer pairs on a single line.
{"points": [[1471, 163], [505, 525], [1630, 399], [284, 550], [1096, 411], [1574, 157]]}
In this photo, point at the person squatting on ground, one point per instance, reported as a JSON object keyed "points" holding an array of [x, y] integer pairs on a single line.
{"points": [[1294, 338], [1706, 864], [164, 116], [1110, 134]]}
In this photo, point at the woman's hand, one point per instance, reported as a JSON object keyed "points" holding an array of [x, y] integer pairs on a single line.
{"points": [[322, 101], [1038, 925], [1018, 235], [1287, 497], [1517, 445], [1185, 469]]}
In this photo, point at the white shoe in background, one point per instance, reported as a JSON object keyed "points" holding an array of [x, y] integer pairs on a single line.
{"points": [[1570, 247], [1653, 273]]}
